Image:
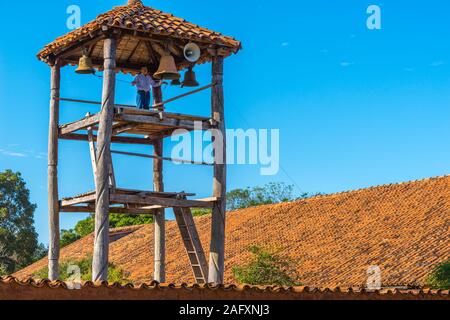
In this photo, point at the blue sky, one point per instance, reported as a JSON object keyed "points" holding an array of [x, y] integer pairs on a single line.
{"points": [[355, 107]]}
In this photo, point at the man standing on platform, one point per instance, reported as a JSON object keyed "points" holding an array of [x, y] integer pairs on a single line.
{"points": [[144, 83]]}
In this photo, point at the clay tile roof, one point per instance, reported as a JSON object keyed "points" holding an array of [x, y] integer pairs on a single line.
{"points": [[28, 289], [137, 17], [402, 228]]}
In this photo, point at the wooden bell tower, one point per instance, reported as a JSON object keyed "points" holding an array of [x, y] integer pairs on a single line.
{"points": [[124, 40]]}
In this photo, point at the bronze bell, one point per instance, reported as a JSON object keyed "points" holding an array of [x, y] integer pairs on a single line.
{"points": [[85, 65], [167, 69], [176, 83], [190, 79]]}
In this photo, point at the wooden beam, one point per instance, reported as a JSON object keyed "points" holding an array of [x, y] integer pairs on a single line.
{"points": [[217, 248], [124, 128], [150, 51], [119, 140], [162, 103], [80, 125], [165, 122], [163, 202], [172, 115], [78, 200], [101, 242], [175, 50], [112, 210], [133, 52], [53, 199], [160, 217], [210, 200], [93, 153], [154, 193]]}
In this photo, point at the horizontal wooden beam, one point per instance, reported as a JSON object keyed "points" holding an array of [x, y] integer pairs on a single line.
{"points": [[164, 202], [78, 200], [123, 129], [115, 139], [166, 122], [112, 210], [211, 200], [80, 125]]}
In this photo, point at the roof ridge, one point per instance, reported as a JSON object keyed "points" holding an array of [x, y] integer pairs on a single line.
{"points": [[134, 2]]}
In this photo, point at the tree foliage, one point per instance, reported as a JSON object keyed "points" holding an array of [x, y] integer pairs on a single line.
{"points": [[268, 194], [199, 212], [115, 274], [267, 267], [19, 245], [440, 277], [68, 237]]}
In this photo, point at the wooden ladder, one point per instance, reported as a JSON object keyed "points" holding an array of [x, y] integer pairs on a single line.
{"points": [[192, 244]]}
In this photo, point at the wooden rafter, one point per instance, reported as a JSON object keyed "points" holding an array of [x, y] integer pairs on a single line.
{"points": [[119, 140], [133, 52], [80, 125], [164, 202]]}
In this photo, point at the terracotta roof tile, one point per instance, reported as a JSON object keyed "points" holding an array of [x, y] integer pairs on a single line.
{"points": [[403, 228], [11, 287], [136, 16]]}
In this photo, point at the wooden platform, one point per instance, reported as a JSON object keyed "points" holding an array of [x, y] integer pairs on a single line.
{"points": [[124, 201], [137, 123]]}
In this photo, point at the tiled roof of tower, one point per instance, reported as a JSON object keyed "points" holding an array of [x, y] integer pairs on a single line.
{"points": [[402, 228], [137, 17]]}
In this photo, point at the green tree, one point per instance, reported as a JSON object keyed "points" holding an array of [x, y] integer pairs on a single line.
{"points": [[18, 237], [440, 277], [68, 237], [267, 267], [115, 274], [268, 194], [198, 212]]}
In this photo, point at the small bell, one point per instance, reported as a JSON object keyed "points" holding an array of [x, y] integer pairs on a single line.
{"points": [[190, 79], [85, 65], [167, 69]]}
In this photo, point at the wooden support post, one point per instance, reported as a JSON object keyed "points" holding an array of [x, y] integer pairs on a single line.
{"points": [[53, 197], [101, 242], [217, 248], [160, 216]]}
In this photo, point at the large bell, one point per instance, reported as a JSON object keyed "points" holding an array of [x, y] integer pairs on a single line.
{"points": [[190, 79], [85, 66], [175, 83], [167, 69]]}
